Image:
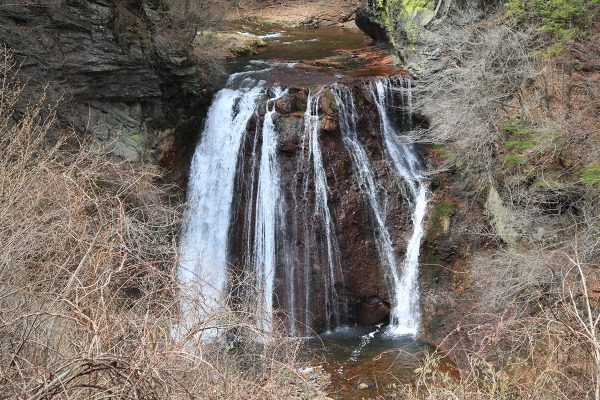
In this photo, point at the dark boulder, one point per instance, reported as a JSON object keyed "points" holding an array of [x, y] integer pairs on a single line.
{"points": [[373, 311]]}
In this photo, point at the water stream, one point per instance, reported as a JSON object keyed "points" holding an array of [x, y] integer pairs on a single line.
{"points": [[203, 268], [332, 273], [402, 282], [264, 204], [405, 308], [267, 214]]}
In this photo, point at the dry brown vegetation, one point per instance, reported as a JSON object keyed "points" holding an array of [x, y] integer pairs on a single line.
{"points": [[88, 303], [527, 127]]}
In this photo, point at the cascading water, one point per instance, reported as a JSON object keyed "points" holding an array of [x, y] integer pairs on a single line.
{"points": [[203, 262], [405, 315], [286, 236], [267, 216], [369, 187], [322, 214], [306, 211]]}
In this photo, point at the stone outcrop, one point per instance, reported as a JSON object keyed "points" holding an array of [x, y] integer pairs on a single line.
{"points": [[112, 66], [398, 25], [373, 311]]}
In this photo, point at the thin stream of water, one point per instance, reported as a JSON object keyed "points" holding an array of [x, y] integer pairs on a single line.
{"points": [[268, 214], [406, 316]]}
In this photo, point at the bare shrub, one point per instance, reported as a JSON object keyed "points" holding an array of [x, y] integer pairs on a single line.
{"points": [[191, 16], [483, 67], [88, 299], [543, 344]]}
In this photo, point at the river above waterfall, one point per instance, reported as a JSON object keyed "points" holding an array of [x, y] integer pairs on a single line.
{"points": [[303, 56]]}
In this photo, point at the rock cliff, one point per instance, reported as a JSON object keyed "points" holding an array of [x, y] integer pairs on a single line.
{"points": [[399, 25], [121, 75]]}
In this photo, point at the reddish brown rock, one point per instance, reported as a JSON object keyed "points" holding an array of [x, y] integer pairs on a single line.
{"points": [[373, 311], [328, 123]]}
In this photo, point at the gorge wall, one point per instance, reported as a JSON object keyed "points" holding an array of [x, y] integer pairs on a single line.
{"points": [[121, 75]]}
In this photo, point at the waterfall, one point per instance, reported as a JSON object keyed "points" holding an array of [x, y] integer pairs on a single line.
{"points": [[402, 283], [312, 243], [203, 261], [369, 188], [269, 214], [405, 311], [321, 213]]}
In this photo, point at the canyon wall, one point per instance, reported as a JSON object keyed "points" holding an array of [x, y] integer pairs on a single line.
{"points": [[121, 75]]}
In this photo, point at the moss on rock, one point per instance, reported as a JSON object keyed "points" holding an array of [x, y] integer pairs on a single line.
{"points": [[439, 222], [403, 17]]}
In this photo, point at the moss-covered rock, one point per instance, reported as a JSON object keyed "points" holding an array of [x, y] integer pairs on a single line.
{"points": [[399, 18], [438, 226]]}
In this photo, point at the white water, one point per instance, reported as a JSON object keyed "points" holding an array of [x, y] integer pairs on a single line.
{"points": [[203, 263], [405, 315], [321, 212], [268, 215], [369, 187], [402, 282]]}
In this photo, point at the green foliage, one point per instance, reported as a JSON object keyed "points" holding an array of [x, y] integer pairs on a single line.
{"points": [[522, 138], [441, 150], [591, 174], [563, 20], [514, 160], [516, 126]]}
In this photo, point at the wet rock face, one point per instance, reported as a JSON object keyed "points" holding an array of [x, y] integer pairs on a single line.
{"points": [[105, 63], [373, 311], [361, 287]]}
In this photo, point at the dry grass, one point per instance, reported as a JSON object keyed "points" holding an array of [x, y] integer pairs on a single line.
{"points": [[87, 294], [540, 339]]}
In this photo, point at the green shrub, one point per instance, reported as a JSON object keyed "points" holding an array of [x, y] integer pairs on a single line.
{"points": [[514, 160], [563, 20], [523, 139], [591, 174]]}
